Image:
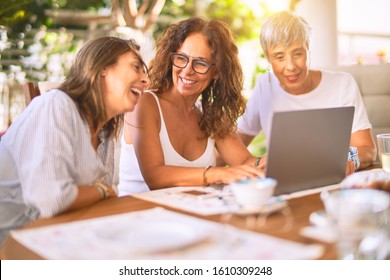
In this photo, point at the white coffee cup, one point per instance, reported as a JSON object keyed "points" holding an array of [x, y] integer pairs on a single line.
{"points": [[253, 193], [361, 219]]}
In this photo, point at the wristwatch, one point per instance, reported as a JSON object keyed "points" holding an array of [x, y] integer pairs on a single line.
{"points": [[353, 156]]}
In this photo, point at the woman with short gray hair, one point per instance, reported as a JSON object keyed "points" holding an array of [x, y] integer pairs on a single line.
{"points": [[292, 85]]}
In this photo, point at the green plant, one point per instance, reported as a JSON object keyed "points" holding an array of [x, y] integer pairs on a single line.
{"points": [[15, 12], [51, 54]]}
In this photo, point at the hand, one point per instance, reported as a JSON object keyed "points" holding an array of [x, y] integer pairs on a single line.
{"points": [[106, 191], [378, 185], [350, 168], [228, 175], [112, 192]]}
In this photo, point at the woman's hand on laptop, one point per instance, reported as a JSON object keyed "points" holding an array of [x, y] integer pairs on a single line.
{"points": [[379, 185], [372, 179], [228, 175]]}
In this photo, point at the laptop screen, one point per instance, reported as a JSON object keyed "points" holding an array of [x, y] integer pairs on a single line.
{"points": [[309, 148]]}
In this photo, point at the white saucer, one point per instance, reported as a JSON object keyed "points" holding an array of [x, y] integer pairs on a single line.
{"points": [[272, 205]]}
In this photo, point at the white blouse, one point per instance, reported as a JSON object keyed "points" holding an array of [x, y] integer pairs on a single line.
{"points": [[47, 152]]}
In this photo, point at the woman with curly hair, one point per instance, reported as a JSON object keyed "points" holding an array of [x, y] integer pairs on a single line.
{"points": [[197, 84]]}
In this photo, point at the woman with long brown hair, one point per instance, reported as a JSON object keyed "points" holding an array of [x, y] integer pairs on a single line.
{"points": [[58, 155]]}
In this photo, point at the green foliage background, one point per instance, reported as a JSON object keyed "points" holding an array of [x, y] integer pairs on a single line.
{"points": [[17, 15]]}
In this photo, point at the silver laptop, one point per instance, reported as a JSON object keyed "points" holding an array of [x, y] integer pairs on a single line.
{"points": [[309, 148]]}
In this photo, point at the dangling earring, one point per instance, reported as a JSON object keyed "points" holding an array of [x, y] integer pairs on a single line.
{"points": [[212, 89]]}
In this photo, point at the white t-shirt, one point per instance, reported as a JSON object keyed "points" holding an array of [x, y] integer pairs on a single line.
{"points": [[130, 177], [336, 89]]}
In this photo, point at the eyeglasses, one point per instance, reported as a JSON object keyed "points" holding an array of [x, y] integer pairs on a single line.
{"points": [[198, 65]]}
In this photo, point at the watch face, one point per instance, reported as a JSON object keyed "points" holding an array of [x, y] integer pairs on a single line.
{"points": [[352, 152]]}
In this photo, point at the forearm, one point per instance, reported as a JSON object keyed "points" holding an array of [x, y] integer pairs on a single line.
{"points": [[367, 155], [364, 142], [172, 176], [250, 160], [88, 195], [232, 151], [246, 139]]}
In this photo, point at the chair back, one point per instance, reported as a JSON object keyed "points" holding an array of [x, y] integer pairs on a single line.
{"points": [[31, 91]]}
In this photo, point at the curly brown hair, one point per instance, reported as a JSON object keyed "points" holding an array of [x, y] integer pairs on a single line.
{"points": [[222, 100]]}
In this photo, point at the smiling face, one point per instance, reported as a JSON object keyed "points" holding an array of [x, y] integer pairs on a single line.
{"points": [[185, 80], [123, 83], [290, 65]]}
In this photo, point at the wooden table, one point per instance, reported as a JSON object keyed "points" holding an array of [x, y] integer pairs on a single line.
{"points": [[301, 208]]}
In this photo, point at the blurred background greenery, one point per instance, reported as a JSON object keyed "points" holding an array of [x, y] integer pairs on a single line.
{"points": [[38, 38], [34, 30]]}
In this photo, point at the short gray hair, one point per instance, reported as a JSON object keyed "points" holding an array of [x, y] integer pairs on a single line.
{"points": [[284, 28]]}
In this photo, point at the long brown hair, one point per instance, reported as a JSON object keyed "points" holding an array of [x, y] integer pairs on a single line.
{"points": [[83, 82], [222, 100]]}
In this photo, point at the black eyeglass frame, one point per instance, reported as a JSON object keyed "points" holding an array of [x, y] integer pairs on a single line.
{"points": [[192, 63]]}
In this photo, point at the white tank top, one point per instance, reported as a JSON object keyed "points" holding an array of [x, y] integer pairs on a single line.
{"points": [[130, 177]]}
